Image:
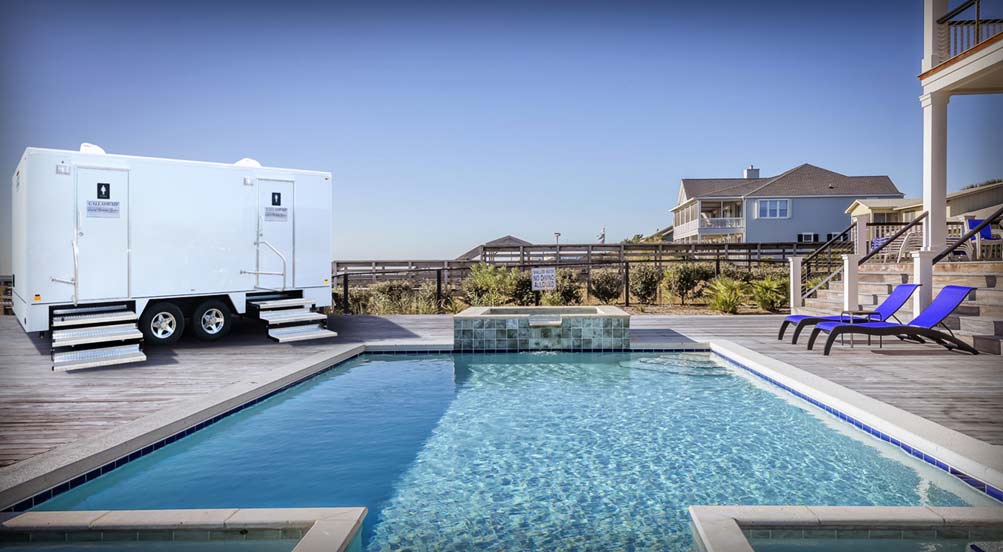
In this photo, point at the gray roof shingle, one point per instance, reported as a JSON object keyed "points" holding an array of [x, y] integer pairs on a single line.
{"points": [[804, 180]]}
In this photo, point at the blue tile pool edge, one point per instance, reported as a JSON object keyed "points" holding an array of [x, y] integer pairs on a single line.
{"points": [[72, 483], [973, 482]]}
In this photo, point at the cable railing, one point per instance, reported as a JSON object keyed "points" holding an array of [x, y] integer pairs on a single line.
{"points": [[967, 27], [826, 261]]}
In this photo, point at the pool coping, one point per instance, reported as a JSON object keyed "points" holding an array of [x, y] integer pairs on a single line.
{"points": [[976, 463], [724, 528], [40, 478], [328, 529]]}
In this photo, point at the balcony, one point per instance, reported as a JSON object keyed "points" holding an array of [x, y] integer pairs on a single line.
{"points": [[963, 48], [722, 222], [967, 26]]}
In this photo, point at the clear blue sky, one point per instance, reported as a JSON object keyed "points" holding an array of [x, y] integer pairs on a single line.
{"points": [[449, 124]]}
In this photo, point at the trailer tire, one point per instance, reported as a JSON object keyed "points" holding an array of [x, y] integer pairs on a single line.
{"points": [[162, 323], [211, 320]]}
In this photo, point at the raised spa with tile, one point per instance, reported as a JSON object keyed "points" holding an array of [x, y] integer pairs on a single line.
{"points": [[589, 328]]}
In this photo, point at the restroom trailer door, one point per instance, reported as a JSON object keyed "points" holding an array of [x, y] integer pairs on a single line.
{"points": [[275, 233], [102, 234]]}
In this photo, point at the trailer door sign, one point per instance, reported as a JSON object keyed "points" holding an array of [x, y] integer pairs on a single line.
{"points": [[104, 190], [276, 214], [102, 209], [276, 199]]}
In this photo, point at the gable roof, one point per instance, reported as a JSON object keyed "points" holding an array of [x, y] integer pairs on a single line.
{"points": [[803, 180], [507, 240]]}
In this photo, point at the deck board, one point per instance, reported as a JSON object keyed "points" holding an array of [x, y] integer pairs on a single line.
{"points": [[41, 410]]}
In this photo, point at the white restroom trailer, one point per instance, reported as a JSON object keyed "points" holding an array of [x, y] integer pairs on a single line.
{"points": [[111, 252]]}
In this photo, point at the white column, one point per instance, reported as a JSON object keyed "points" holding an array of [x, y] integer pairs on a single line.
{"points": [[860, 235], [795, 282], [934, 170], [922, 274], [851, 297]]}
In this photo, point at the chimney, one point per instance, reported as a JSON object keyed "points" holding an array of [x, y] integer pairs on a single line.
{"points": [[751, 172]]}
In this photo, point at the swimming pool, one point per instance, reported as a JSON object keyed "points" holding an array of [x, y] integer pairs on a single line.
{"points": [[524, 450]]}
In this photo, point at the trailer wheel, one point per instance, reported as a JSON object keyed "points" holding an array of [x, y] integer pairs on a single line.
{"points": [[211, 320], [162, 323]]}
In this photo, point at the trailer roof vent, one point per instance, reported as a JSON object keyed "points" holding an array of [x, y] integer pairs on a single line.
{"points": [[248, 162], [87, 147]]}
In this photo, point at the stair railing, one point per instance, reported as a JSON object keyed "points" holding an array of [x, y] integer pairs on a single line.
{"points": [[991, 219], [915, 222], [822, 262], [258, 272]]}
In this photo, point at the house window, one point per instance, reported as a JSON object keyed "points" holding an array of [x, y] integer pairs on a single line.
{"points": [[773, 208], [807, 237], [885, 217], [845, 236]]}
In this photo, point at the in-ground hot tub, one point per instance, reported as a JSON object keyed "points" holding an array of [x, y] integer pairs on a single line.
{"points": [[601, 328]]}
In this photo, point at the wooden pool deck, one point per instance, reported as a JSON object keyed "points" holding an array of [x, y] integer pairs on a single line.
{"points": [[41, 410]]}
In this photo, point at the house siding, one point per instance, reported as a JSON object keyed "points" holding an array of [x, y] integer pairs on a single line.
{"points": [[818, 215]]}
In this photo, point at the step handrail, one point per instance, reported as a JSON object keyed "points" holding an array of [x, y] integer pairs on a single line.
{"points": [[894, 237], [263, 273], [75, 282], [978, 228], [829, 243]]}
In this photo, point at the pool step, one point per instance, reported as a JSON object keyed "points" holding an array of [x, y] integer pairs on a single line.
{"points": [[93, 358], [287, 334]]}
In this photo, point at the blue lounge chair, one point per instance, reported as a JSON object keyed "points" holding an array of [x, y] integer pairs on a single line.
{"points": [[882, 312], [949, 299]]}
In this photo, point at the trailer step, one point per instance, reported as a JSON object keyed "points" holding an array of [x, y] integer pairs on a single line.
{"points": [[300, 333], [282, 303], [274, 317], [93, 318], [88, 310], [93, 358], [95, 334]]}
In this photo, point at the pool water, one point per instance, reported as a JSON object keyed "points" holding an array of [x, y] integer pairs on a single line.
{"points": [[519, 451]]}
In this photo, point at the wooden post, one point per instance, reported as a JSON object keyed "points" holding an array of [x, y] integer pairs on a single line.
{"points": [[438, 290], [626, 283], [344, 294]]}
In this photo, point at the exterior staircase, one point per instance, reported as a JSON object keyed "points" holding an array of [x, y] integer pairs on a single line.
{"points": [[979, 321], [289, 318], [89, 337]]}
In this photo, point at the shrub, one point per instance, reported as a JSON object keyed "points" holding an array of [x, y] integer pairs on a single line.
{"points": [[392, 297], [360, 300], [568, 292], [489, 285], [522, 288], [726, 294], [684, 280], [425, 301], [607, 283], [644, 281], [770, 293]]}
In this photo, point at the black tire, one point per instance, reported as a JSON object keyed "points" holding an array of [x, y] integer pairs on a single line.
{"points": [[162, 323], [211, 320]]}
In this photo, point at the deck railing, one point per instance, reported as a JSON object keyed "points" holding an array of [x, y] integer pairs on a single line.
{"points": [[825, 262], [581, 258], [722, 222], [967, 26]]}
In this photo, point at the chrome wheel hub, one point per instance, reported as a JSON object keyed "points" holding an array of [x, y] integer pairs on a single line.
{"points": [[213, 321], [163, 325]]}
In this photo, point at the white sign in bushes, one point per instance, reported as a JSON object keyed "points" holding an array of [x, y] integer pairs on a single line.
{"points": [[544, 278]]}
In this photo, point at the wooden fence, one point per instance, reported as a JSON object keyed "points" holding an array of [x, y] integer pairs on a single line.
{"points": [[583, 256]]}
